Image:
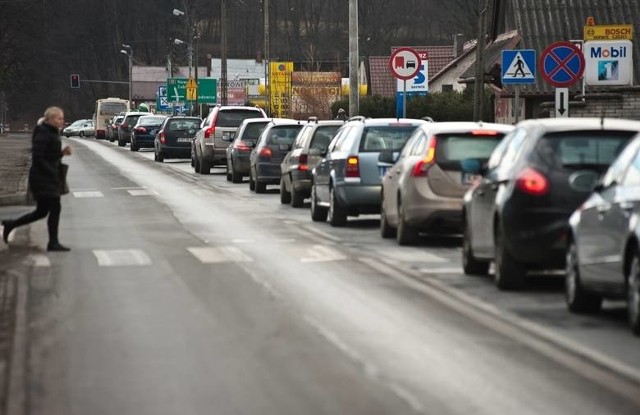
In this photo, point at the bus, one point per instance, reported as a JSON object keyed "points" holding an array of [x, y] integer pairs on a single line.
{"points": [[106, 109]]}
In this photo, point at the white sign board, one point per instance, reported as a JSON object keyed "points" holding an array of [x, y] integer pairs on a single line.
{"points": [[419, 84], [562, 102], [608, 62]]}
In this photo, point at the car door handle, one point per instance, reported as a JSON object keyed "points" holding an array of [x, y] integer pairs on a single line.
{"points": [[626, 206]]}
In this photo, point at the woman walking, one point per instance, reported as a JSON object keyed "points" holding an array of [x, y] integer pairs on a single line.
{"points": [[44, 177]]}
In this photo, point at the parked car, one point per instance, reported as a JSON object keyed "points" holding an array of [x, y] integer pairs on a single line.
{"points": [[347, 182], [145, 130], [238, 163], [174, 137], [518, 215], [274, 143], [312, 142], [423, 190], [603, 255], [216, 133], [126, 127], [79, 128], [111, 130]]}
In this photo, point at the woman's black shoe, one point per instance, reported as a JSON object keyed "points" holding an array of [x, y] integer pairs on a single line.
{"points": [[7, 230], [57, 248]]}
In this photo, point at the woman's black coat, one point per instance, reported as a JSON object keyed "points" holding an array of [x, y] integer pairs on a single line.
{"points": [[44, 179]]}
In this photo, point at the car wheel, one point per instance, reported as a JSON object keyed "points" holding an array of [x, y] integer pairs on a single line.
{"points": [[470, 264], [386, 231], [134, 146], [260, 187], [285, 196], [205, 168], [196, 165], [406, 234], [318, 213], [297, 200], [160, 157], [509, 273], [121, 143], [81, 134], [578, 300], [252, 183], [235, 177], [633, 294], [229, 176], [337, 214]]}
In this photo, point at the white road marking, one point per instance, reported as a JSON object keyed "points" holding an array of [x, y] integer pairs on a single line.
{"points": [[440, 270], [122, 258], [323, 234], [142, 192], [322, 253], [40, 260], [242, 241], [405, 254], [127, 188], [88, 194], [211, 255]]}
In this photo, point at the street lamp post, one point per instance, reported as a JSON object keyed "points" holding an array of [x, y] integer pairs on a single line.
{"points": [[191, 33], [129, 52]]}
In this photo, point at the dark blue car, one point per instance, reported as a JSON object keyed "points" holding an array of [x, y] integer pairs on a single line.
{"points": [[145, 130]]}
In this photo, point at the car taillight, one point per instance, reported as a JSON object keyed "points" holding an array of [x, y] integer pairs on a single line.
{"points": [[302, 162], [163, 139], [422, 167], [241, 146], [125, 126], [209, 131], [532, 182], [353, 167], [265, 153], [141, 130]]}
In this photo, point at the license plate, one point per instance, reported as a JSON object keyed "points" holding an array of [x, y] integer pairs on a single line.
{"points": [[468, 178], [383, 170], [184, 140]]}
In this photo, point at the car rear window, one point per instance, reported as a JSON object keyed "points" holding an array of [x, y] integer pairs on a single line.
{"points": [[451, 149], [323, 135], [132, 119], [183, 125], [583, 149], [380, 138], [152, 120], [118, 120], [253, 130], [233, 118], [284, 134]]}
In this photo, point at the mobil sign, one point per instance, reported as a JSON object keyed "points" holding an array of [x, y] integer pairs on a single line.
{"points": [[608, 62]]}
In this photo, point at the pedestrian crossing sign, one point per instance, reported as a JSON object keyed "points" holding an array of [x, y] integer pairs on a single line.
{"points": [[518, 66]]}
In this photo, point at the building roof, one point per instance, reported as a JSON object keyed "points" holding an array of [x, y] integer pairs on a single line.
{"points": [[493, 55], [383, 83], [543, 23]]}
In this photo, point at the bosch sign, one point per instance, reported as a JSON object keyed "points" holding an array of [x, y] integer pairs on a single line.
{"points": [[608, 62]]}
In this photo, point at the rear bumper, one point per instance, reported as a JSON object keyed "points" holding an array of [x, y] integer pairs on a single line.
{"points": [[144, 141], [268, 172], [177, 152], [435, 215], [359, 198], [214, 155], [241, 163], [301, 182]]}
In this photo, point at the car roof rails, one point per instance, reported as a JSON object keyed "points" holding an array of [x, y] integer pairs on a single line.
{"points": [[428, 119], [357, 118], [313, 119]]}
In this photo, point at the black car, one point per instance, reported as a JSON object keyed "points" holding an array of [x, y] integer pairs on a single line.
{"points": [[126, 127], [603, 258], [174, 138], [518, 214], [274, 143], [145, 130], [238, 152]]}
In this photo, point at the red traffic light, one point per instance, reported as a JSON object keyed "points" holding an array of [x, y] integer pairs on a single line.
{"points": [[75, 80]]}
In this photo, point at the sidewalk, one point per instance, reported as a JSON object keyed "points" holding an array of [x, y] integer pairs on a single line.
{"points": [[15, 160]]}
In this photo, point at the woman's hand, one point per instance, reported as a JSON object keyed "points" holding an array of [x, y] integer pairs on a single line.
{"points": [[67, 151]]}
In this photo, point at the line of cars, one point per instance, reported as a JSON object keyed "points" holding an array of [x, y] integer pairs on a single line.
{"points": [[543, 195]]}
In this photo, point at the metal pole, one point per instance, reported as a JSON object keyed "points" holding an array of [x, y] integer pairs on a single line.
{"points": [[517, 103], [223, 52], [354, 87], [267, 69], [130, 77], [479, 81], [404, 99]]}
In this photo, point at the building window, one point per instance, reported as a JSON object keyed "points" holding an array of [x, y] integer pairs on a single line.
{"points": [[447, 88]]}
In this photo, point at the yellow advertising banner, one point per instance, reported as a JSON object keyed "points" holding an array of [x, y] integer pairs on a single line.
{"points": [[609, 32], [280, 88]]}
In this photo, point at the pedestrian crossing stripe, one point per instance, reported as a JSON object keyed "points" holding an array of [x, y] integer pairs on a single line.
{"points": [[121, 257], [211, 255], [518, 66], [81, 195]]}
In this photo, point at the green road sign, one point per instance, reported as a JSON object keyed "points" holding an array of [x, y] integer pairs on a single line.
{"points": [[207, 90]]}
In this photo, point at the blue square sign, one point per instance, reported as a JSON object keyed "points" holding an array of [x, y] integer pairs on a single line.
{"points": [[518, 66]]}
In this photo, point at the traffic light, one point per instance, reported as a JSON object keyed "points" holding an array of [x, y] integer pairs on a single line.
{"points": [[75, 80]]}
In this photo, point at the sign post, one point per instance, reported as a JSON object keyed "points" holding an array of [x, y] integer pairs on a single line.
{"points": [[518, 68], [404, 64], [562, 65]]}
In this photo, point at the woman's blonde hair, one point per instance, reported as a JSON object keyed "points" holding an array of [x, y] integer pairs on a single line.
{"points": [[49, 112]]}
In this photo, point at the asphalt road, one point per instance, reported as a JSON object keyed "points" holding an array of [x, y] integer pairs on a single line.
{"points": [[187, 294]]}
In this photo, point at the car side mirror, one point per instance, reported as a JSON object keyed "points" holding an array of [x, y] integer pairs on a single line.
{"points": [[250, 143], [388, 157], [472, 166]]}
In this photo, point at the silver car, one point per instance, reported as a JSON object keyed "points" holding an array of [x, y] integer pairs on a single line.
{"points": [[312, 142], [80, 128], [424, 189], [347, 181]]}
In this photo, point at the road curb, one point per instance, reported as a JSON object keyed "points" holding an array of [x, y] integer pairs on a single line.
{"points": [[545, 338]]}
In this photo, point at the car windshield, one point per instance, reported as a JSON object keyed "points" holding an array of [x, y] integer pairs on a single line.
{"points": [[184, 125], [151, 120], [453, 148], [388, 137], [323, 136], [284, 134], [233, 118], [578, 149], [253, 130], [132, 119], [118, 120]]}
